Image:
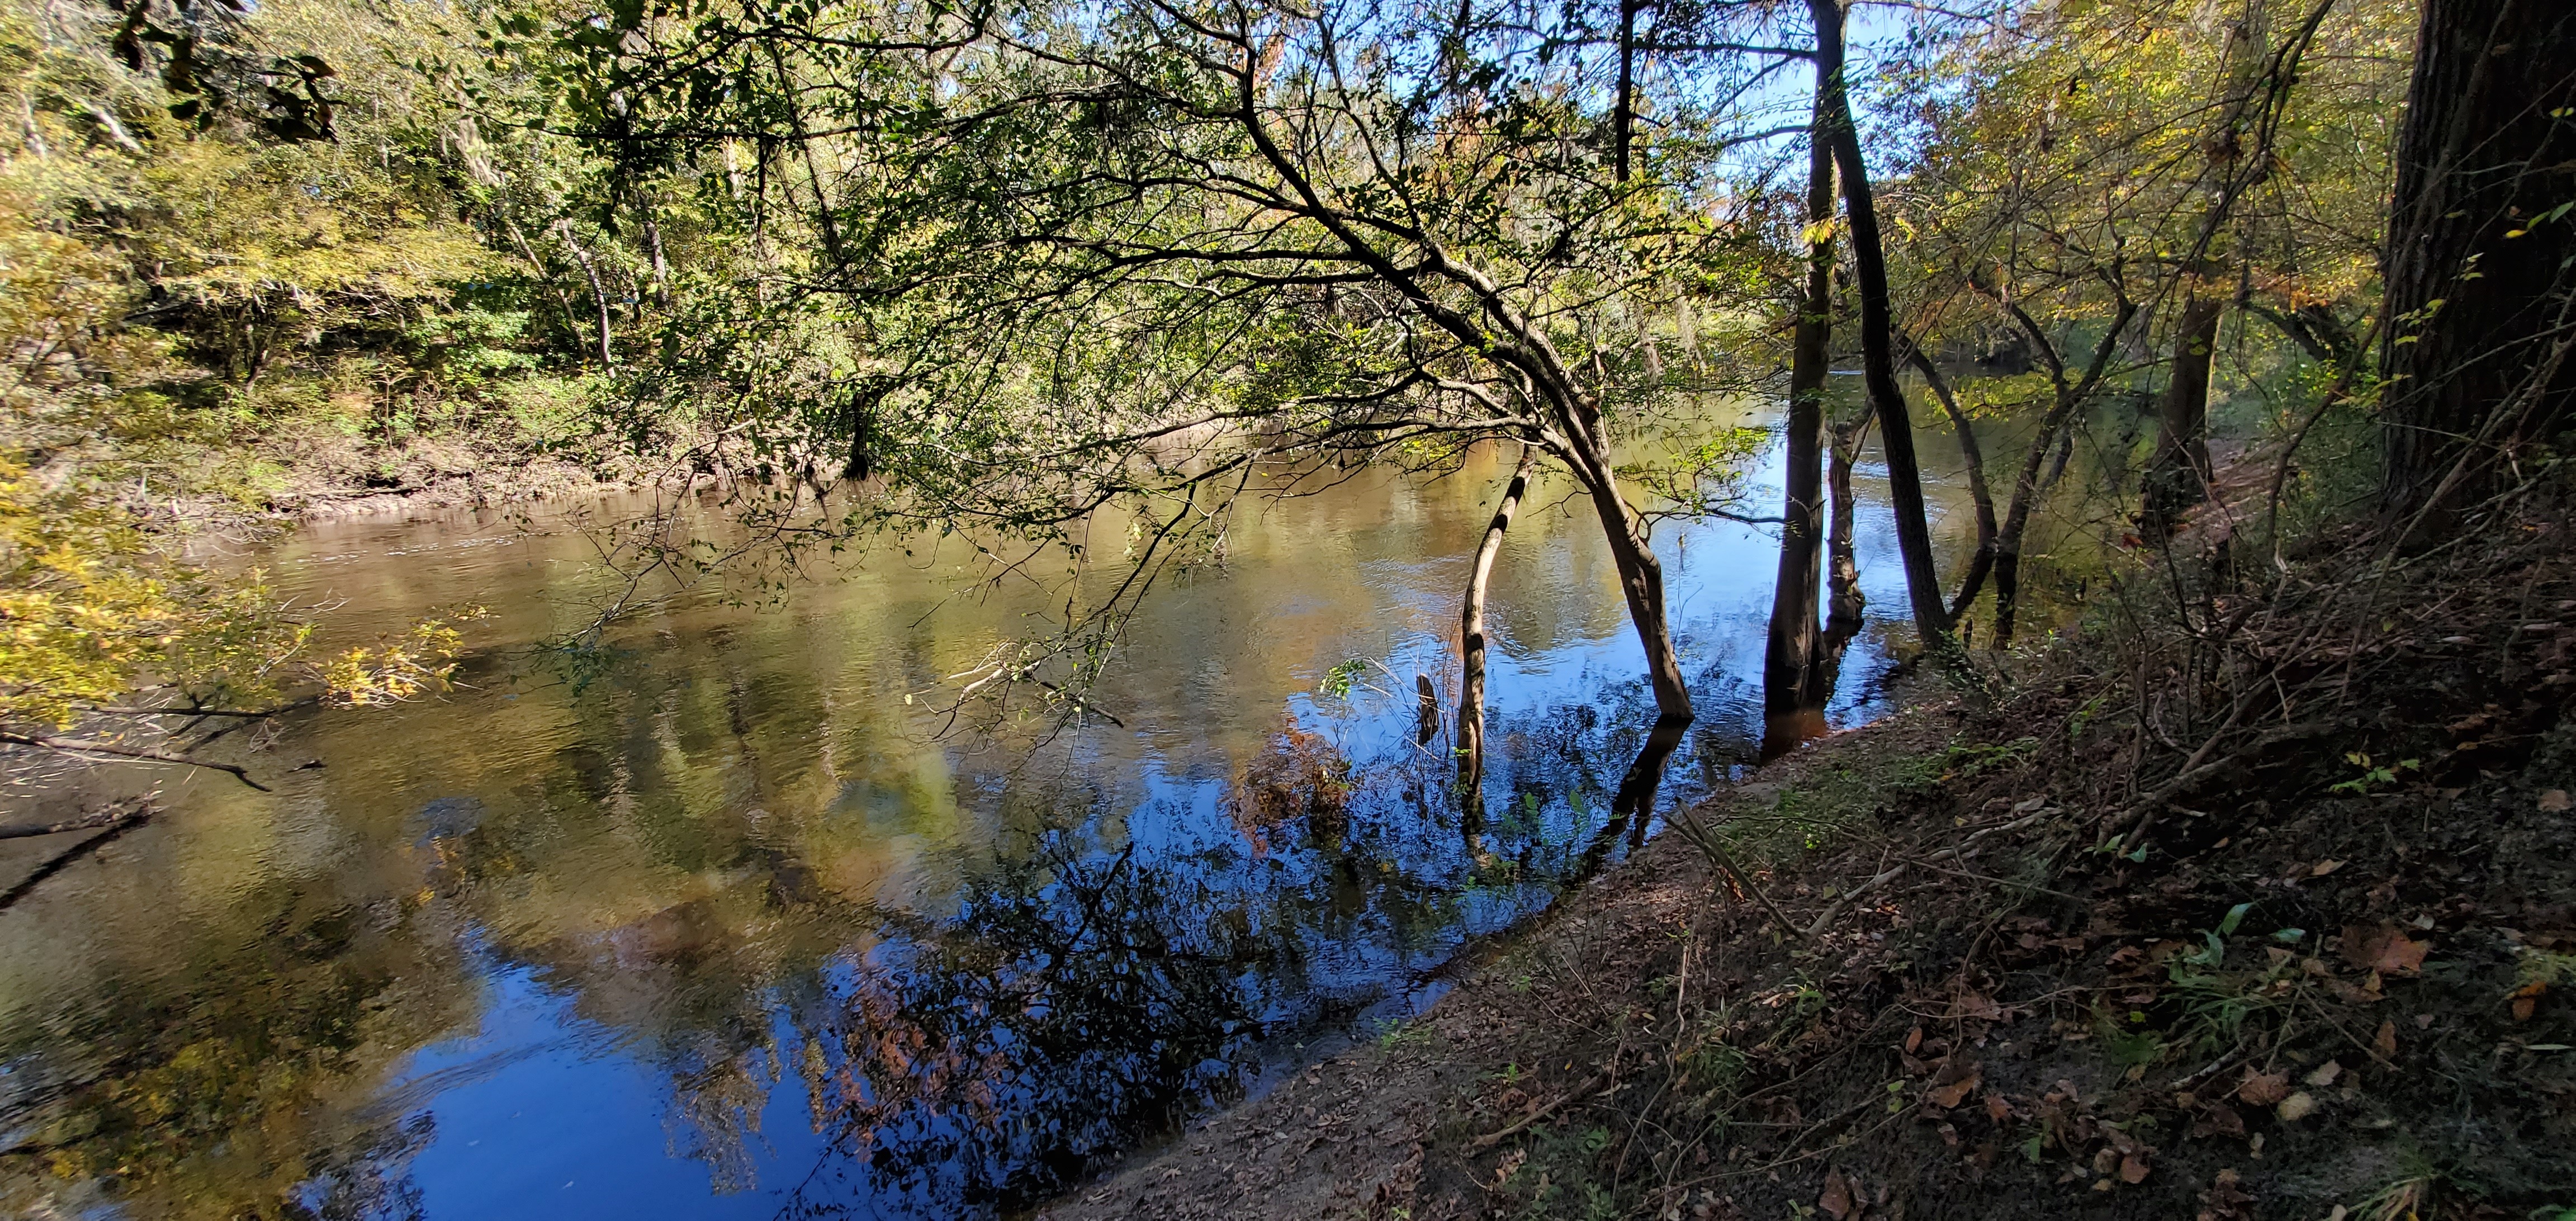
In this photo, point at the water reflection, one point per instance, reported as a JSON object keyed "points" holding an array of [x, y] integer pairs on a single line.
{"points": [[723, 930]]}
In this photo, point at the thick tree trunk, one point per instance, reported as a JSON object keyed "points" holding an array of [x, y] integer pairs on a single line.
{"points": [[1471, 630], [2475, 355], [1878, 359], [1783, 733], [2178, 476], [1791, 683]]}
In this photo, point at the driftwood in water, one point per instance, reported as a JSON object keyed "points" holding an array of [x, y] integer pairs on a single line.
{"points": [[106, 825]]}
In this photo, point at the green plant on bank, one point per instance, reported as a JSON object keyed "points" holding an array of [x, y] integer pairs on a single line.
{"points": [[2209, 1006], [1395, 1034], [1559, 1175], [2373, 775]]}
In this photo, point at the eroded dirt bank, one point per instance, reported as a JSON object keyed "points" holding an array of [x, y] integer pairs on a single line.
{"points": [[1937, 968]]}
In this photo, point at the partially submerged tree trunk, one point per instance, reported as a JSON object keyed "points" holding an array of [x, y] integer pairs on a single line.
{"points": [[1641, 578], [1471, 631], [1793, 683], [2476, 354], [1843, 600], [2069, 397], [1887, 398]]}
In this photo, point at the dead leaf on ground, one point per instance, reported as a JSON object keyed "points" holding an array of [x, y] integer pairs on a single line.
{"points": [[2526, 1000], [2225, 1200], [2322, 868], [2263, 1089], [2133, 1169], [2555, 801], [1952, 1085], [1976, 1005], [2296, 1107], [2325, 1074], [1837, 1200], [2383, 950], [2386, 1039], [2219, 1120]]}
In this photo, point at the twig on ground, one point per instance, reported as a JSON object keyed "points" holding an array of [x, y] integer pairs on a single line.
{"points": [[1491, 1139], [1834, 909]]}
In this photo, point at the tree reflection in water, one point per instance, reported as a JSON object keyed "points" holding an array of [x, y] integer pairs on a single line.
{"points": [[1107, 964], [1073, 1004]]}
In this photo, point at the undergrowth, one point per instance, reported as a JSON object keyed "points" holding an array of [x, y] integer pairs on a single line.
{"points": [[2250, 898]]}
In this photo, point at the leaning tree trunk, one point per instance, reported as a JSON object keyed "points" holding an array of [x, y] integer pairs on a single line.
{"points": [[1471, 632], [1641, 579], [1790, 685], [1878, 359], [2476, 266], [1980, 493]]}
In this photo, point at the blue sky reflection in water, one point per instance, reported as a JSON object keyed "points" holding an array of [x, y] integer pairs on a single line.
{"points": [[725, 931]]}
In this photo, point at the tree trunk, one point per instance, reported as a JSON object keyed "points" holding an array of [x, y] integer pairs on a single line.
{"points": [[661, 264], [1979, 492], [1843, 600], [1887, 399], [2069, 399], [598, 291], [1471, 631], [538, 268], [2477, 282], [1641, 579], [1623, 120], [1791, 683], [2178, 476]]}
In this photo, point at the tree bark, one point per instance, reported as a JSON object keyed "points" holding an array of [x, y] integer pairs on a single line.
{"points": [[1979, 492], [2069, 398], [1791, 683], [661, 264], [1623, 120], [2178, 476], [1843, 599], [1887, 398], [1641, 579], [2476, 281], [1471, 629], [598, 291]]}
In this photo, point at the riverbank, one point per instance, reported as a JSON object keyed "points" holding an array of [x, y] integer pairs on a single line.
{"points": [[2026, 959]]}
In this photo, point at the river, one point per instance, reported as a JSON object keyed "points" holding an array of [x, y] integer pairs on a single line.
{"points": [[721, 924]]}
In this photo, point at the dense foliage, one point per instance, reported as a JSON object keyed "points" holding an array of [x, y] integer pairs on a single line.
{"points": [[1029, 270]]}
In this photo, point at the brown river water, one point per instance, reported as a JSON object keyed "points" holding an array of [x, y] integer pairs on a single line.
{"points": [[721, 925]]}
